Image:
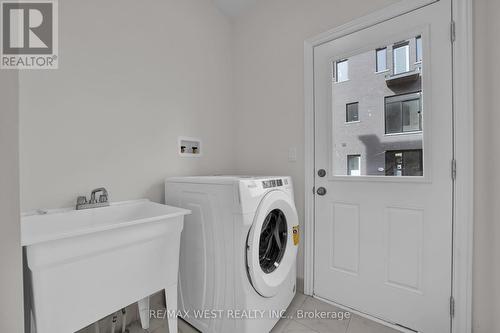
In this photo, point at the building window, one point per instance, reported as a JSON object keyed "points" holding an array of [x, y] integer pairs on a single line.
{"points": [[401, 58], [354, 165], [342, 70], [351, 112], [403, 113], [404, 163], [418, 48], [381, 59]]}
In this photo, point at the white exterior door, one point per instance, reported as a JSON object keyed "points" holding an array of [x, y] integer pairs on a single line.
{"points": [[383, 153]]}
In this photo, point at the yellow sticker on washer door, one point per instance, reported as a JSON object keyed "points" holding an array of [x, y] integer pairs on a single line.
{"points": [[296, 235]]}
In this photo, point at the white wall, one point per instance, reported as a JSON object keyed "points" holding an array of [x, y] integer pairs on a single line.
{"points": [[133, 76], [486, 290], [269, 80], [11, 279]]}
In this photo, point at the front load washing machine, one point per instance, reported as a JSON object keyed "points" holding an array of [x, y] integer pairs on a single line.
{"points": [[237, 267]]}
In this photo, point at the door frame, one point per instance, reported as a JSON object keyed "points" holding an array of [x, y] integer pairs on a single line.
{"points": [[463, 106]]}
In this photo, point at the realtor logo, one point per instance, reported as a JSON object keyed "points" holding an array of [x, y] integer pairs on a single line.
{"points": [[29, 34]]}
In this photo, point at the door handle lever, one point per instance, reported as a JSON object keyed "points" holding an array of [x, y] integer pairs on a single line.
{"points": [[321, 191]]}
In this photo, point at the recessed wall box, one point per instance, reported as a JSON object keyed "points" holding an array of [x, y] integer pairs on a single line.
{"points": [[189, 147]]}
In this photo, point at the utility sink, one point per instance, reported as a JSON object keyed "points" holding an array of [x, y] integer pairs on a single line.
{"points": [[87, 264]]}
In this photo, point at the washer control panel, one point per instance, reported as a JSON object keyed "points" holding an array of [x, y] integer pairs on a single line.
{"points": [[274, 183]]}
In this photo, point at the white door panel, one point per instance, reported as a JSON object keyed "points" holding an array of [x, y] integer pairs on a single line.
{"points": [[383, 229]]}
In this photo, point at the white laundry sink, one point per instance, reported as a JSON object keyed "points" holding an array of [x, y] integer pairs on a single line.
{"points": [[87, 264]]}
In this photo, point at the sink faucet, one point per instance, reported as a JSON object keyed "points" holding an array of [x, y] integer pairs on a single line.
{"points": [[82, 203]]}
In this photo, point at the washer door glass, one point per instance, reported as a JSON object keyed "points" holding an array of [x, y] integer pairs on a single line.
{"points": [[273, 240]]}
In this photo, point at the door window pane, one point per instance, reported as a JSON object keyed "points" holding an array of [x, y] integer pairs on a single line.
{"points": [[381, 59], [354, 165], [418, 47], [352, 113], [401, 59], [342, 70], [389, 107]]}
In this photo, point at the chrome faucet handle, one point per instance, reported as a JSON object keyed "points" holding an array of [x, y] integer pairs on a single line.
{"points": [[81, 200], [82, 203], [104, 193], [103, 198]]}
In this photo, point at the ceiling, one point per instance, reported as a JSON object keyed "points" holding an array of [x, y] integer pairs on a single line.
{"points": [[234, 8]]}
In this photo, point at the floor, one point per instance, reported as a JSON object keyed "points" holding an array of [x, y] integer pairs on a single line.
{"points": [[355, 324]]}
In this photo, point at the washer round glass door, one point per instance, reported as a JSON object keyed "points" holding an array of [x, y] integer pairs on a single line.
{"points": [[273, 240], [271, 252]]}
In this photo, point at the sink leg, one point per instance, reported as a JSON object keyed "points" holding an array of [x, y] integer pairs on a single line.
{"points": [[144, 312], [171, 301]]}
